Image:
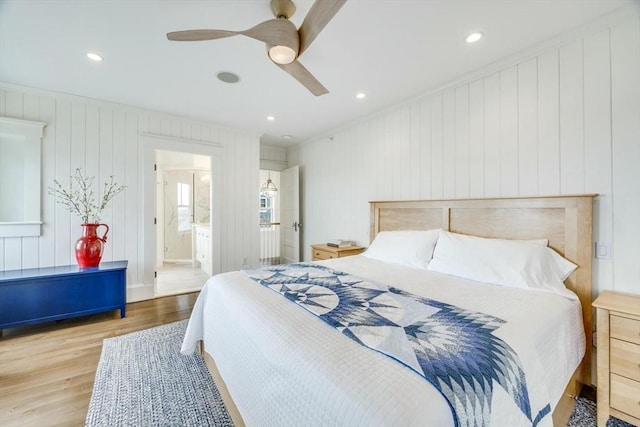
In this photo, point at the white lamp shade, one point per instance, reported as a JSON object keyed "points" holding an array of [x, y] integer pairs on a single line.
{"points": [[282, 54]]}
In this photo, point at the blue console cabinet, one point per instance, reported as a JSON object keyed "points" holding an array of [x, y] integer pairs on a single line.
{"points": [[44, 294]]}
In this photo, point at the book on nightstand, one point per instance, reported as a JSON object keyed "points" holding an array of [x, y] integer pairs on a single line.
{"points": [[340, 243]]}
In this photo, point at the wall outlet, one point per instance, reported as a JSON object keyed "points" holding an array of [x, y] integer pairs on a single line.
{"points": [[603, 250], [244, 260]]}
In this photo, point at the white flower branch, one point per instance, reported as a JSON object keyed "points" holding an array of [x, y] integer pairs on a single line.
{"points": [[79, 198]]}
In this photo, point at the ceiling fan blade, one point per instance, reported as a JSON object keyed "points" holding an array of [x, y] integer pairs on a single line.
{"points": [[199, 35], [321, 12], [301, 74], [275, 32]]}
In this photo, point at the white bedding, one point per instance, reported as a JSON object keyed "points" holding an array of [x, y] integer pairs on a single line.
{"points": [[309, 374]]}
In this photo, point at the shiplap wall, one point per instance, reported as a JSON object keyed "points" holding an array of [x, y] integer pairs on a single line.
{"points": [[104, 139], [273, 158], [564, 121]]}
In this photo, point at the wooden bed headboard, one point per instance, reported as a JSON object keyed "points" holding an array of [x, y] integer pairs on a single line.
{"points": [[567, 221]]}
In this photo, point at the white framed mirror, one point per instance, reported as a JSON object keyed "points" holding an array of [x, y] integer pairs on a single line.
{"points": [[20, 181]]}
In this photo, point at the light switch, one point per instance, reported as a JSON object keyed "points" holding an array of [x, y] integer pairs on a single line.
{"points": [[603, 250]]}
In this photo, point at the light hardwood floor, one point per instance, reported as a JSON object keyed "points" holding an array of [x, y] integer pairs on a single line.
{"points": [[47, 371], [177, 278]]}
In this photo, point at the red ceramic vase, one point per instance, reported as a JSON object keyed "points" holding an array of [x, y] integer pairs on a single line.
{"points": [[89, 246]]}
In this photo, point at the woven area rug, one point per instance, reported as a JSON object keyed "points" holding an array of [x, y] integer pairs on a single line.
{"points": [[143, 380], [585, 416]]}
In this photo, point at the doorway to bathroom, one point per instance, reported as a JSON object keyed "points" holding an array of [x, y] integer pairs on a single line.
{"points": [[183, 214], [269, 218]]}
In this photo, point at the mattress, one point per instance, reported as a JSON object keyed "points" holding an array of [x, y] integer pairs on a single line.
{"points": [[283, 366]]}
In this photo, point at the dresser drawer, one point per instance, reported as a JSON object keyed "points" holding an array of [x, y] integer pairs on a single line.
{"points": [[625, 395], [320, 255], [322, 252], [625, 329], [625, 359]]}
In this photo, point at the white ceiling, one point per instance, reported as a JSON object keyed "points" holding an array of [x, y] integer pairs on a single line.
{"points": [[391, 49]]}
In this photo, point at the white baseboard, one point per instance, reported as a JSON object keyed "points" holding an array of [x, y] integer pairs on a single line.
{"points": [[139, 292]]}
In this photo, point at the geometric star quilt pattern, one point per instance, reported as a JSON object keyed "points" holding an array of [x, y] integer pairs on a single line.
{"points": [[452, 348]]}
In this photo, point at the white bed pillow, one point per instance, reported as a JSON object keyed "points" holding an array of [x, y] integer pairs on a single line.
{"points": [[565, 266], [413, 248], [515, 263]]}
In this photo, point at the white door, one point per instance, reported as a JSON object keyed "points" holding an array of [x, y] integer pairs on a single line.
{"points": [[290, 215]]}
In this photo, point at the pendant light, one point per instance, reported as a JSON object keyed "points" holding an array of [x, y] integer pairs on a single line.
{"points": [[269, 188]]}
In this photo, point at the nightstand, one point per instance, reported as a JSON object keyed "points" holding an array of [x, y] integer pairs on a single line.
{"points": [[320, 252], [618, 345]]}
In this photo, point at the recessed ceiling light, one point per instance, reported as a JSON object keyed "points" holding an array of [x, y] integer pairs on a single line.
{"points": [[286, 137], [228, 77], [361, 95], [271, 118], [94, 57], [473, 37]]}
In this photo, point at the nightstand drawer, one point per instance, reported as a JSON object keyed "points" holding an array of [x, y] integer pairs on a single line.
{"points": [[625, 359], [319, 255], [625, 395], [322, 252], [625, 329]]}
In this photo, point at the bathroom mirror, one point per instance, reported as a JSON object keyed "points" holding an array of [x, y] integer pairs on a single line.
{"points": [[20, 159]]}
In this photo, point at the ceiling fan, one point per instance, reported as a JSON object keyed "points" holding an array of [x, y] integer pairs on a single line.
{"points": [[284, 42]]}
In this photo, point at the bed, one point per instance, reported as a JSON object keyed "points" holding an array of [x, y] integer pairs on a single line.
{"points": [[278, 364]]}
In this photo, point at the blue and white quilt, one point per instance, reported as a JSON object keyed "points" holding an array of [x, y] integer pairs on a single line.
{"points": [[452, 348]]}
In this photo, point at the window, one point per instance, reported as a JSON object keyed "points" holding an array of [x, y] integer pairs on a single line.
{"points": [[184, 207], [266, 212]]}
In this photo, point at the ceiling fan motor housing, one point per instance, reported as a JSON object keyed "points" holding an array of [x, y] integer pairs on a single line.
{"points": [[283, 8]]}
